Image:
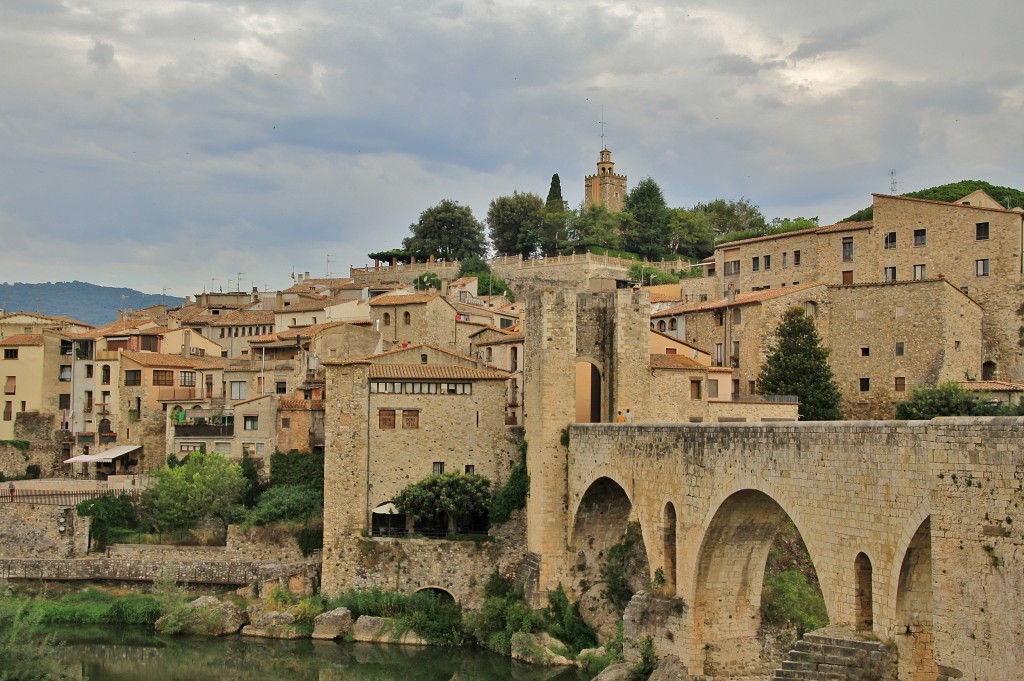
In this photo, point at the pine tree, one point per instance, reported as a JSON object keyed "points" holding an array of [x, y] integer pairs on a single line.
{"points": [[555, 203], [798, 365]]}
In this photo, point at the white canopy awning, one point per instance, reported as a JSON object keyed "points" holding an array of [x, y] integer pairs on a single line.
{"points": [[105, 457], [386, 509]]}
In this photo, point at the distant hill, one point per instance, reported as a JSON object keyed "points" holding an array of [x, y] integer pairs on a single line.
{"points": [[952, 192], [79, 300]]}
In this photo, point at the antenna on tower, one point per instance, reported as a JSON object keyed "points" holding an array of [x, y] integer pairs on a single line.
{"points": [[894, 185], [602, 127]]}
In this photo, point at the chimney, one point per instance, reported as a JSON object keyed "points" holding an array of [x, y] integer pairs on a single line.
{"points": [[186, 343], [307, 275]]}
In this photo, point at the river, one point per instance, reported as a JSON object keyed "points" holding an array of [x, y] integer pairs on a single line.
{"points": [[132, 654]]}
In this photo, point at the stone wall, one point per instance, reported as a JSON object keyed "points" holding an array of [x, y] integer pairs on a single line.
{"points": [[44, 446], [244, 544], [33, 531], [235, 573]]}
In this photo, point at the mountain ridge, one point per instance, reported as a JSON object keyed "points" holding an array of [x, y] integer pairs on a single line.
{"points": [[80, 300]]}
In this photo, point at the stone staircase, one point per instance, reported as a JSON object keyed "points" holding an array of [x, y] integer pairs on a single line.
{"points": [[837, 654]]}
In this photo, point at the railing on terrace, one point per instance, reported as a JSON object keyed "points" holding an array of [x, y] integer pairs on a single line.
{"points": [[519, 262], [780, 399], [61, 498]]}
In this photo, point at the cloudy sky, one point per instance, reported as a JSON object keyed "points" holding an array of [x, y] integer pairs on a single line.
{"points": [[177, 143]]}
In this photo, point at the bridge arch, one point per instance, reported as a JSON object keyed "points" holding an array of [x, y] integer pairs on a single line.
{"points": [[600, 521], [913, 627], [729, 574], [441, 592]]}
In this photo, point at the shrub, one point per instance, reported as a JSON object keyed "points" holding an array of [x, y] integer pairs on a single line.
{"points": [[297, 468], [512, 494], [109, 514], [562, 620], [614, 568], [454, 494], [287, 502], [788, 599], [436, 620]]}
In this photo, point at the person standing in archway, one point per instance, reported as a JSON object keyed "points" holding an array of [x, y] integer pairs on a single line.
{"points": [[629, 416], [620, 418]]}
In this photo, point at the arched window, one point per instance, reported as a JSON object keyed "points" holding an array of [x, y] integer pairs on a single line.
{"points": [[387, 319], [661, 325], [407, 318], [673, 324]]}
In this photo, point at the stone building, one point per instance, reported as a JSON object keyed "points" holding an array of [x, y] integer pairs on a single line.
{"points": [[414, 318], [605, 188], [503, 350], [17, 323], [35, 370], [972, 243]]}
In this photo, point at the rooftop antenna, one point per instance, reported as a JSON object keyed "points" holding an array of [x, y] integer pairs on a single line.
{"points": [[602, 127], [238, 282], [329, 258], [894, 185]]}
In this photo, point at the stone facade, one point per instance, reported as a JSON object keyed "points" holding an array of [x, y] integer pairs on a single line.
{"points": [[46, 446], [34, 531], [605, 188]]}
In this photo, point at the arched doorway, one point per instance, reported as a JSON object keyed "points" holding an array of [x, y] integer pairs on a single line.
{"points": [[438, 592], [863, 605], [730, 578], [989, 371], [914, 633], [669, 547], [588, 393]]}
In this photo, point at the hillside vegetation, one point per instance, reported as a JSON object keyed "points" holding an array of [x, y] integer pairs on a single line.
{"points": [[1008, 196], [79, 300]]}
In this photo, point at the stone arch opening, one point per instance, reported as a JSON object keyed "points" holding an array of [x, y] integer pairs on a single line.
{"points": [[442, 594], [988, 370], [669, 547], [730, 574], [863, 594], [913, 630], [588, 392], [602, 532]]}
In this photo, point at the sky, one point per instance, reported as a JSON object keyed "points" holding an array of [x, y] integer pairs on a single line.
{"points": [[173, 145]]}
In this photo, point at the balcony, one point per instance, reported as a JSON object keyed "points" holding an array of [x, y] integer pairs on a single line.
{"points": [[107, 438], [102, 408], [86, 438], [204, 430], [177, 394]]}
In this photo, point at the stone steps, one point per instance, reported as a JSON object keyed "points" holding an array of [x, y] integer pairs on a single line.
{"points": [[834, 654]]}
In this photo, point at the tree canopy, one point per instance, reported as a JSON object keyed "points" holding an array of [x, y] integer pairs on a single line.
{"points": [[946, 399], [515, 223], [204, 484], [1007, 196], [426, 281], [447, 231], [647, 234], [797, 364], [452, 494], [733, 216]]}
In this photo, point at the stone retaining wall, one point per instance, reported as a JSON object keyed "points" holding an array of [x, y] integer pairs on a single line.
{"points": [[34, 531], [128, 570]]}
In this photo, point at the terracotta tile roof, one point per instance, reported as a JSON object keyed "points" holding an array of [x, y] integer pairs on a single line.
{"points": [[675, 362], [438, 371], [295, 403], [52, 318], [403, 298], [298, 332], [742, 299], [838, 227], [369, 358], [463, 281], [680, 341], [664, 293], [944, 203], [118, 328], [508, 339], [992, 386], [846, 227], [245, 317], [478, 309], [23, 339], [158, 359]]}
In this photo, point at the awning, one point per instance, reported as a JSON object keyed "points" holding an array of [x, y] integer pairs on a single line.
{"points": [[105, 457], [386, 509]]}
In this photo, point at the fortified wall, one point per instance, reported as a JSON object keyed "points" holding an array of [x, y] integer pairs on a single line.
{"points": [[44, 445]]}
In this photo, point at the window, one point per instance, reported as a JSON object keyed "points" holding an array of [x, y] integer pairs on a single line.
{"points": [[286, 423], [731, 267], [918, 272], [865, 385], [720, 317], [514, 358], [11, 385], [250, 422], [407, 318], [735, 354], [8, 410], [65, 372], [10, 353], [847, 248], [281, 387], [88, 371], [981, 231], [810, 308], [410, 418], [719, 354], [737, 316], [239, 389], [784, 257], [386, 419], [900, 384], [920, 237], [865, 351], [712, 387], [133, 377], [163, 377], [890, 240], [438, 468], [105, 375], [64, 401], [694, 389], [901, 348], [890, 274], [752, 386], [767, 262], [899, 311], [981, 267], [386, 319], [755, 264], [673, 324], [956, 346], [661, 325], [470, 469], [796, 258], [847, 277], [670, 351], [188, 379]]}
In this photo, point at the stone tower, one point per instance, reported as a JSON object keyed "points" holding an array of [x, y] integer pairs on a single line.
{"points": [[605, 188]]}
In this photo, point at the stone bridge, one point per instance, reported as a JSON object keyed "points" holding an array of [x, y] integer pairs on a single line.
{"points": [[914, 529]]}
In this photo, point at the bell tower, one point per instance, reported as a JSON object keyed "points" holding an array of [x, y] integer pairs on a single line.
{"points": [[605, 188]]}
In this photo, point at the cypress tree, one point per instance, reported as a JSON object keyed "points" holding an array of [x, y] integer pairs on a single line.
{"points": [[798, 365], [555, 203]]}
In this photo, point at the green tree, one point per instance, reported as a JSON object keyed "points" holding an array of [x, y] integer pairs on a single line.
{"points": [[472, 267], [27, 651], [945, 399], [447, 231], [207, 484], [690, 233], [515, 223], [797, 364], [554, 238], [109, 512], [426, 281], [733, 216], [453, 494], [649, 276], [648, 235], [555, 203], [594, 225]]}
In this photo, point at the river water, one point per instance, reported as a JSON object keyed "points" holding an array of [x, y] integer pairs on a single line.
{"points": [[132, 654]]}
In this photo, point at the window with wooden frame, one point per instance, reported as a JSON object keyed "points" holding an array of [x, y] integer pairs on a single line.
{"points": [[410, 418], [188, 379], [163, 377], [386, 419]]}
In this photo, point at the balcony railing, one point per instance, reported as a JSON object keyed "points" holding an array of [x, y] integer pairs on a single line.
{"points": [[86, 438], [106, 438], [204, 430], [176, 394], [102, 408]]}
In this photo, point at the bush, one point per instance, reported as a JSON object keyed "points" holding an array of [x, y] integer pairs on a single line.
{"points": [[454, 494], [562, 620], [512, 494], [205, 484], [614, 568], [945, 399], [297, 468], [287, 502], [789, 600], [436, 620], [110, 514]]}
